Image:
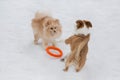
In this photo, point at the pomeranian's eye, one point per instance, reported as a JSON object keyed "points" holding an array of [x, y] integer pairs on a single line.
{"points": [[51, 28], [55, 27]]}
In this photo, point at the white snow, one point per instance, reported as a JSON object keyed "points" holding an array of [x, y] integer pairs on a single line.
{"points": [[20, 59]]}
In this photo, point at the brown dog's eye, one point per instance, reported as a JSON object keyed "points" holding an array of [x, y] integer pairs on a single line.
{"points": [[51, 28], [55, 27]]}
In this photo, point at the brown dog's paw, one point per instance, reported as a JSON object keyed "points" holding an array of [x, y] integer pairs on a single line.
{"points": [[66, 69], [62, 60]]}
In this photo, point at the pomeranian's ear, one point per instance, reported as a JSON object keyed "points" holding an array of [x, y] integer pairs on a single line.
{"points": [[88, 24], [48, 23], [56, 20], [79, 24]]}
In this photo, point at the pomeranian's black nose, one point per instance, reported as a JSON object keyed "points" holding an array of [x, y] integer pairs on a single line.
{"points": [[54, 31]]}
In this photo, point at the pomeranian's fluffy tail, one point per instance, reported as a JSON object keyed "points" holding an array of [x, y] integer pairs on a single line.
{"points": [[42, 14]]}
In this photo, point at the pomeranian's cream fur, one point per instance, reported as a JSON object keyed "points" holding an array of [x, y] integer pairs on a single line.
{"points": [[46, 27], [79, 45]]}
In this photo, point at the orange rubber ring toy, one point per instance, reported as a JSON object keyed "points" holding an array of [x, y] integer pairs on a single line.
{"points": [[54, 48]]}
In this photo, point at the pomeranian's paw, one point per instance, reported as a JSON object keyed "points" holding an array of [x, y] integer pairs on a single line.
{"points": [[35, 42], [54, 43], [45, 45]]}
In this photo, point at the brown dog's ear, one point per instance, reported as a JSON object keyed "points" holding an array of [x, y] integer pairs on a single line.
{"points": [[78, 21], [88, 24], [79, 24]]}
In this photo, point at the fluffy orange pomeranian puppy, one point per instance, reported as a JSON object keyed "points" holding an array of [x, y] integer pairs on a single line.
{"points": [[46, 27]]}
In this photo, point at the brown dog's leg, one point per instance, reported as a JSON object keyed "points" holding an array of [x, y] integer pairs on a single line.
{"points": [[66, 69], [68, 62], [67, 66], [81, 63]]}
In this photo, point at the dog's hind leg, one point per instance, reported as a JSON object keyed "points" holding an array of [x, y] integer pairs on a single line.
{"points": [[67, 66], [80, 65], [82, 60], [68, 62], [35, 27], [36, 38]]}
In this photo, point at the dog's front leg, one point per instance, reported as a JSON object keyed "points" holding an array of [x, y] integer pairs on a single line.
{"points": [[54, 43], [44, 44], [68, 62]]}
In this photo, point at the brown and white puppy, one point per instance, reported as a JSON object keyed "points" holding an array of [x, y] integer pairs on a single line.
{"points": [[79, 45], [46, 27]]}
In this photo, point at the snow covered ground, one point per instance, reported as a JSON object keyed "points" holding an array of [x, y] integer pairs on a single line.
{"points": [[20, 59]]}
